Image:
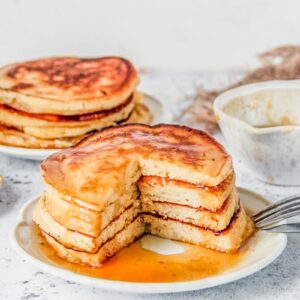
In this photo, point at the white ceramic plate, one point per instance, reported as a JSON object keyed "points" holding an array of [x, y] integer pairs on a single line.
{"points": [[160, 115], [265, 247]]}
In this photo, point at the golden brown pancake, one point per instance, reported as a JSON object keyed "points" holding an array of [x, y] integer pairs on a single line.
{"points": [[166, 189], [115, 185], [54, 119], [67, 85], [13, 137], [47, 126], [170, 151]]}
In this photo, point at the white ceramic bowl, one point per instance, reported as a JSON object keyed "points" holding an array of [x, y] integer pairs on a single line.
{"points": [[272, 153]]}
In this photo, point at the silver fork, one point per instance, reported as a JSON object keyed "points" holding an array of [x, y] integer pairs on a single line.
{"points": [[271, 217]]}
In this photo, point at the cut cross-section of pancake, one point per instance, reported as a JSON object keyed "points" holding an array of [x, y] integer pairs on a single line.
{"points": [[185, 193], [91, 219], [13, 137], [202, 217], [58, 218], [114, 186], [229, 240]]}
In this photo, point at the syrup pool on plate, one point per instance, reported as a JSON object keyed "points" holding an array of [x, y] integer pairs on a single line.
{"points": [[137, 264]]}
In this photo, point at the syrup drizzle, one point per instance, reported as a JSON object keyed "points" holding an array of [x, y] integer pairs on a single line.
{"points": [[137, 264]]}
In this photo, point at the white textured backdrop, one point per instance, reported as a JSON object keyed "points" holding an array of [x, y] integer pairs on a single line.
{"points": [[160, 34]]}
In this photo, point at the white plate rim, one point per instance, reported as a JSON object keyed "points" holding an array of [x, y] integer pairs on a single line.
{"points": [[137, 287], [40, 154]]}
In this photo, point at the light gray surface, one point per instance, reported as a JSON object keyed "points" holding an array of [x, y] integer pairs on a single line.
{"points": [[20, 280]]}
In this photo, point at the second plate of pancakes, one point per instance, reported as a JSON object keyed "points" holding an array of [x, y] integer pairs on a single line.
{"points": [[53, 103], [160, 115]]}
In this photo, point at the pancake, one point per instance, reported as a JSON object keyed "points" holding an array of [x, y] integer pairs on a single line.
{"points": [[67, 85], [56, 126], [184, 193], [11, 136], [216, 221], [228, 240], [125, 181]]}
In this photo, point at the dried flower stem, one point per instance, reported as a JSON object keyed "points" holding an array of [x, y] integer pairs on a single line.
{"points": [[282, 63]]}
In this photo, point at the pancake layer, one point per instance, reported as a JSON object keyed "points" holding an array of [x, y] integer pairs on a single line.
{"points": [[228, 240], [55, 126], [197, 216], [166, 189], [67, 85], [11, 136]]}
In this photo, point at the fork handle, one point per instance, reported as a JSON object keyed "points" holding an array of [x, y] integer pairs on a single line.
{"points": [[284, 228]]}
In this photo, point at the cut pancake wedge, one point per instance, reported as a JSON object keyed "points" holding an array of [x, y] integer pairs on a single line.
{"points": [[198, 216], [185, 193], [229, 240]]}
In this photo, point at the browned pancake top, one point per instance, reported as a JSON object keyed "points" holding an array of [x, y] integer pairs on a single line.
{"points": [[72, 76], [100, 162]]}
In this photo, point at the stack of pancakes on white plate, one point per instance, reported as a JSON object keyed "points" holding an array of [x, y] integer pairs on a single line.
{"points": [[54, 102], [116, 185]]}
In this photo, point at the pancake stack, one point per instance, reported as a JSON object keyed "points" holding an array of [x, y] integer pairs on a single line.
{"points": [[55, 102], [118, 184]]}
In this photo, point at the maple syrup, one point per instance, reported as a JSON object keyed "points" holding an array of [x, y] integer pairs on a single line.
{"points": [[137, 264]]}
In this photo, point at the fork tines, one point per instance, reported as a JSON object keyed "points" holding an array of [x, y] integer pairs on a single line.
{"points": [[283, 209]]}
